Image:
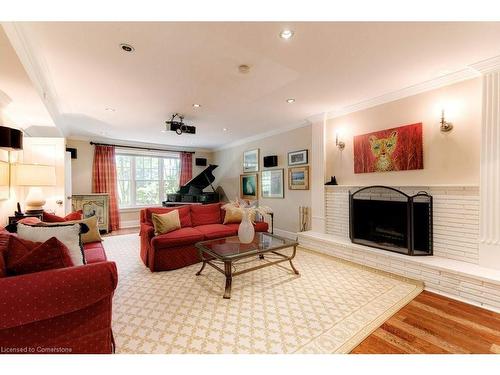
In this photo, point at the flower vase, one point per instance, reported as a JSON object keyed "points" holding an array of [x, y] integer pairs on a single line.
{"points": [[246, 231]]}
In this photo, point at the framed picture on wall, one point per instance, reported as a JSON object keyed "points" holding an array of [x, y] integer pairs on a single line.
{"points": [[271, 184], [395, 149], [251, 161], [298, 178], [249, 188], [297, 157]]}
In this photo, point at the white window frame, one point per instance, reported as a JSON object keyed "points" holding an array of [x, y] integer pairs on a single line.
{"points": [[133, 180]]}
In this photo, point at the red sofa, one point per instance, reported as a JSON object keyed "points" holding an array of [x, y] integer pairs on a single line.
{"points": [[66, 310], [176, 249]]}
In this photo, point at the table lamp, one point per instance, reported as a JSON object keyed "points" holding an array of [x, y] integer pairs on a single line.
{"points": [[35, 176]]}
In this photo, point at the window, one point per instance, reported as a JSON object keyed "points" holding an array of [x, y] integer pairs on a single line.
{"points": [[145, 180]]}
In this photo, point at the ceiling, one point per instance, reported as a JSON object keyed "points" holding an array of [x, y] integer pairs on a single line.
{"points": [[19, 101], [325, 67]]}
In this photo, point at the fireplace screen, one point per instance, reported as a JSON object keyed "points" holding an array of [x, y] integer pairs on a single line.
{"points": [[389, 219]]}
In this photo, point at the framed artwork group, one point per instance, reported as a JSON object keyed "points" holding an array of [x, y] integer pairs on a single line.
{"points": [[271, 184]]}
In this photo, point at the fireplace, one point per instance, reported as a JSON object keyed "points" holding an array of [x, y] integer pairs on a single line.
{"points": [[389, 219]]}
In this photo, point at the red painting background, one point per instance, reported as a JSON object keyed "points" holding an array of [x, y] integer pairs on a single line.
{"points": [[407, 155]]}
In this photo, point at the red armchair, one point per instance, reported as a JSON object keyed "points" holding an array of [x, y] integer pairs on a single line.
{"points": [[66, 310]]}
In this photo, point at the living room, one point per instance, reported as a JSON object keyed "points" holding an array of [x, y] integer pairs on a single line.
{"points": [[339, 178]]}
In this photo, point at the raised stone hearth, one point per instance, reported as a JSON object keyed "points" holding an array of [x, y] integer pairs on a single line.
{"points": [[453, 270]]}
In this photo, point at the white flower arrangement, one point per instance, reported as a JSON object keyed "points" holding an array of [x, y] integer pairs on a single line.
{"points": [[250, 207]]}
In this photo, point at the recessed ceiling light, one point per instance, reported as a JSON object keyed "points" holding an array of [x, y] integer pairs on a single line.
{"points": [[127, 47], [196, 105], [224, 129], [286, 34], [243, 68], [290, 101], [109, 109]]}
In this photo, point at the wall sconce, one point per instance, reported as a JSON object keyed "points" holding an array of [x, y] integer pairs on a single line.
{"points": [[445, 125], [339, 143]]}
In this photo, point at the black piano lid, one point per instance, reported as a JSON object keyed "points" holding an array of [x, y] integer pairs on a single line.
{"points": [[201, 181]]}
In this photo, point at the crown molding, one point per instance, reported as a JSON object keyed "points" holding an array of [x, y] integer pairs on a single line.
{"points": [[134, 143], [487, 66], [35, 67], [259, 136], [419, 88]]}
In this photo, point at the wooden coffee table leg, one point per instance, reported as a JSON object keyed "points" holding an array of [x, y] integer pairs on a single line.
{"points": [[228, 271], [290, 260], [204, 262], [202, 267]]}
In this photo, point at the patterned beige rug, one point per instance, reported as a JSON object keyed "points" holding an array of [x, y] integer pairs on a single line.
{"points": [[330, 308]]}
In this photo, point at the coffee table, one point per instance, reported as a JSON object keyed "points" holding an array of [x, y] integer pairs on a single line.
{"points": [[229, 250]]}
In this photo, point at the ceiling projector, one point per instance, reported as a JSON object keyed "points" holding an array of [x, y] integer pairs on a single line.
{"points": [[178, 126]]}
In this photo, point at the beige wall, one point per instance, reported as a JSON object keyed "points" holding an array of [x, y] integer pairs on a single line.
{"points": [[81, 170], [7, 206], [286, 214], [451, 158]]}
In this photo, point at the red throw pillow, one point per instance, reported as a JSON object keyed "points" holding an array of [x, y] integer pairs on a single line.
{"points": [[27, 257], [51, 218], [29, 220]]}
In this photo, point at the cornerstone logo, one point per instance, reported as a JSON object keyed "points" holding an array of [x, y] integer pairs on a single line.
{"points": [[34, 350]]}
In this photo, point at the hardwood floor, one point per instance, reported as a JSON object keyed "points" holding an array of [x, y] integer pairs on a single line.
{"points": [[429, 324], [435, 324]]}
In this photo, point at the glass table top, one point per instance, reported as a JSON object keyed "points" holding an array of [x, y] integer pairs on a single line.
{"points": [[230, 247]]}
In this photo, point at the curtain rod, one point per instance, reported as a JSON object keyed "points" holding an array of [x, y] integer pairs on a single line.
{"points": [[138, 147]]}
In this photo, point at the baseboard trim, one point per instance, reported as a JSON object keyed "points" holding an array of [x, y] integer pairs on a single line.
{"points": [[129, 224], [285, 233]]}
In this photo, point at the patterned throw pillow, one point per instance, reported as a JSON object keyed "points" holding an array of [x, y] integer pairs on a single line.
{"points": [[68, 234], [28, 257]]}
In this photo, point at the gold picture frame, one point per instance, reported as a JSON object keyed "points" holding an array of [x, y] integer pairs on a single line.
{"points": [[298, 178], [249, 186]]}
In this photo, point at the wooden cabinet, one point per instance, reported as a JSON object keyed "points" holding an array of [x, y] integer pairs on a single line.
{"points": [[93, 204]]}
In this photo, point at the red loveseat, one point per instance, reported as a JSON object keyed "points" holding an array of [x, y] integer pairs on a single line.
{"points": [[176, 249], [66, 310]]}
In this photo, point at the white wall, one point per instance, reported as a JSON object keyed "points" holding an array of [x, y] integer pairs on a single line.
{"points": [[449, 158], [81, 170], [230, 162]]}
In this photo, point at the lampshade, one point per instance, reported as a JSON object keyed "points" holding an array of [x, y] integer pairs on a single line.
{"points": [[11, 139], [34, 175]]}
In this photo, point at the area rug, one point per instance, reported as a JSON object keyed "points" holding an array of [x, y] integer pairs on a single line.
{"points": [[329, 308]]}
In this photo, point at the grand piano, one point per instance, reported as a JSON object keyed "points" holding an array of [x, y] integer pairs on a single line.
{"points": [[192, 191]]}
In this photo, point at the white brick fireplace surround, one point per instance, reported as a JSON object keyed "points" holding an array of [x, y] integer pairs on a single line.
{"points": [[452, 271]]}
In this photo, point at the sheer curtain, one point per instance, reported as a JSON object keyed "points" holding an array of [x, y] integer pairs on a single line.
{"points": [[104, 180], [186, 167]]}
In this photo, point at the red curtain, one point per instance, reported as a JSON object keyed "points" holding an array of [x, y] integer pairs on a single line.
{"points": [[186, 167], [104, 180]]}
